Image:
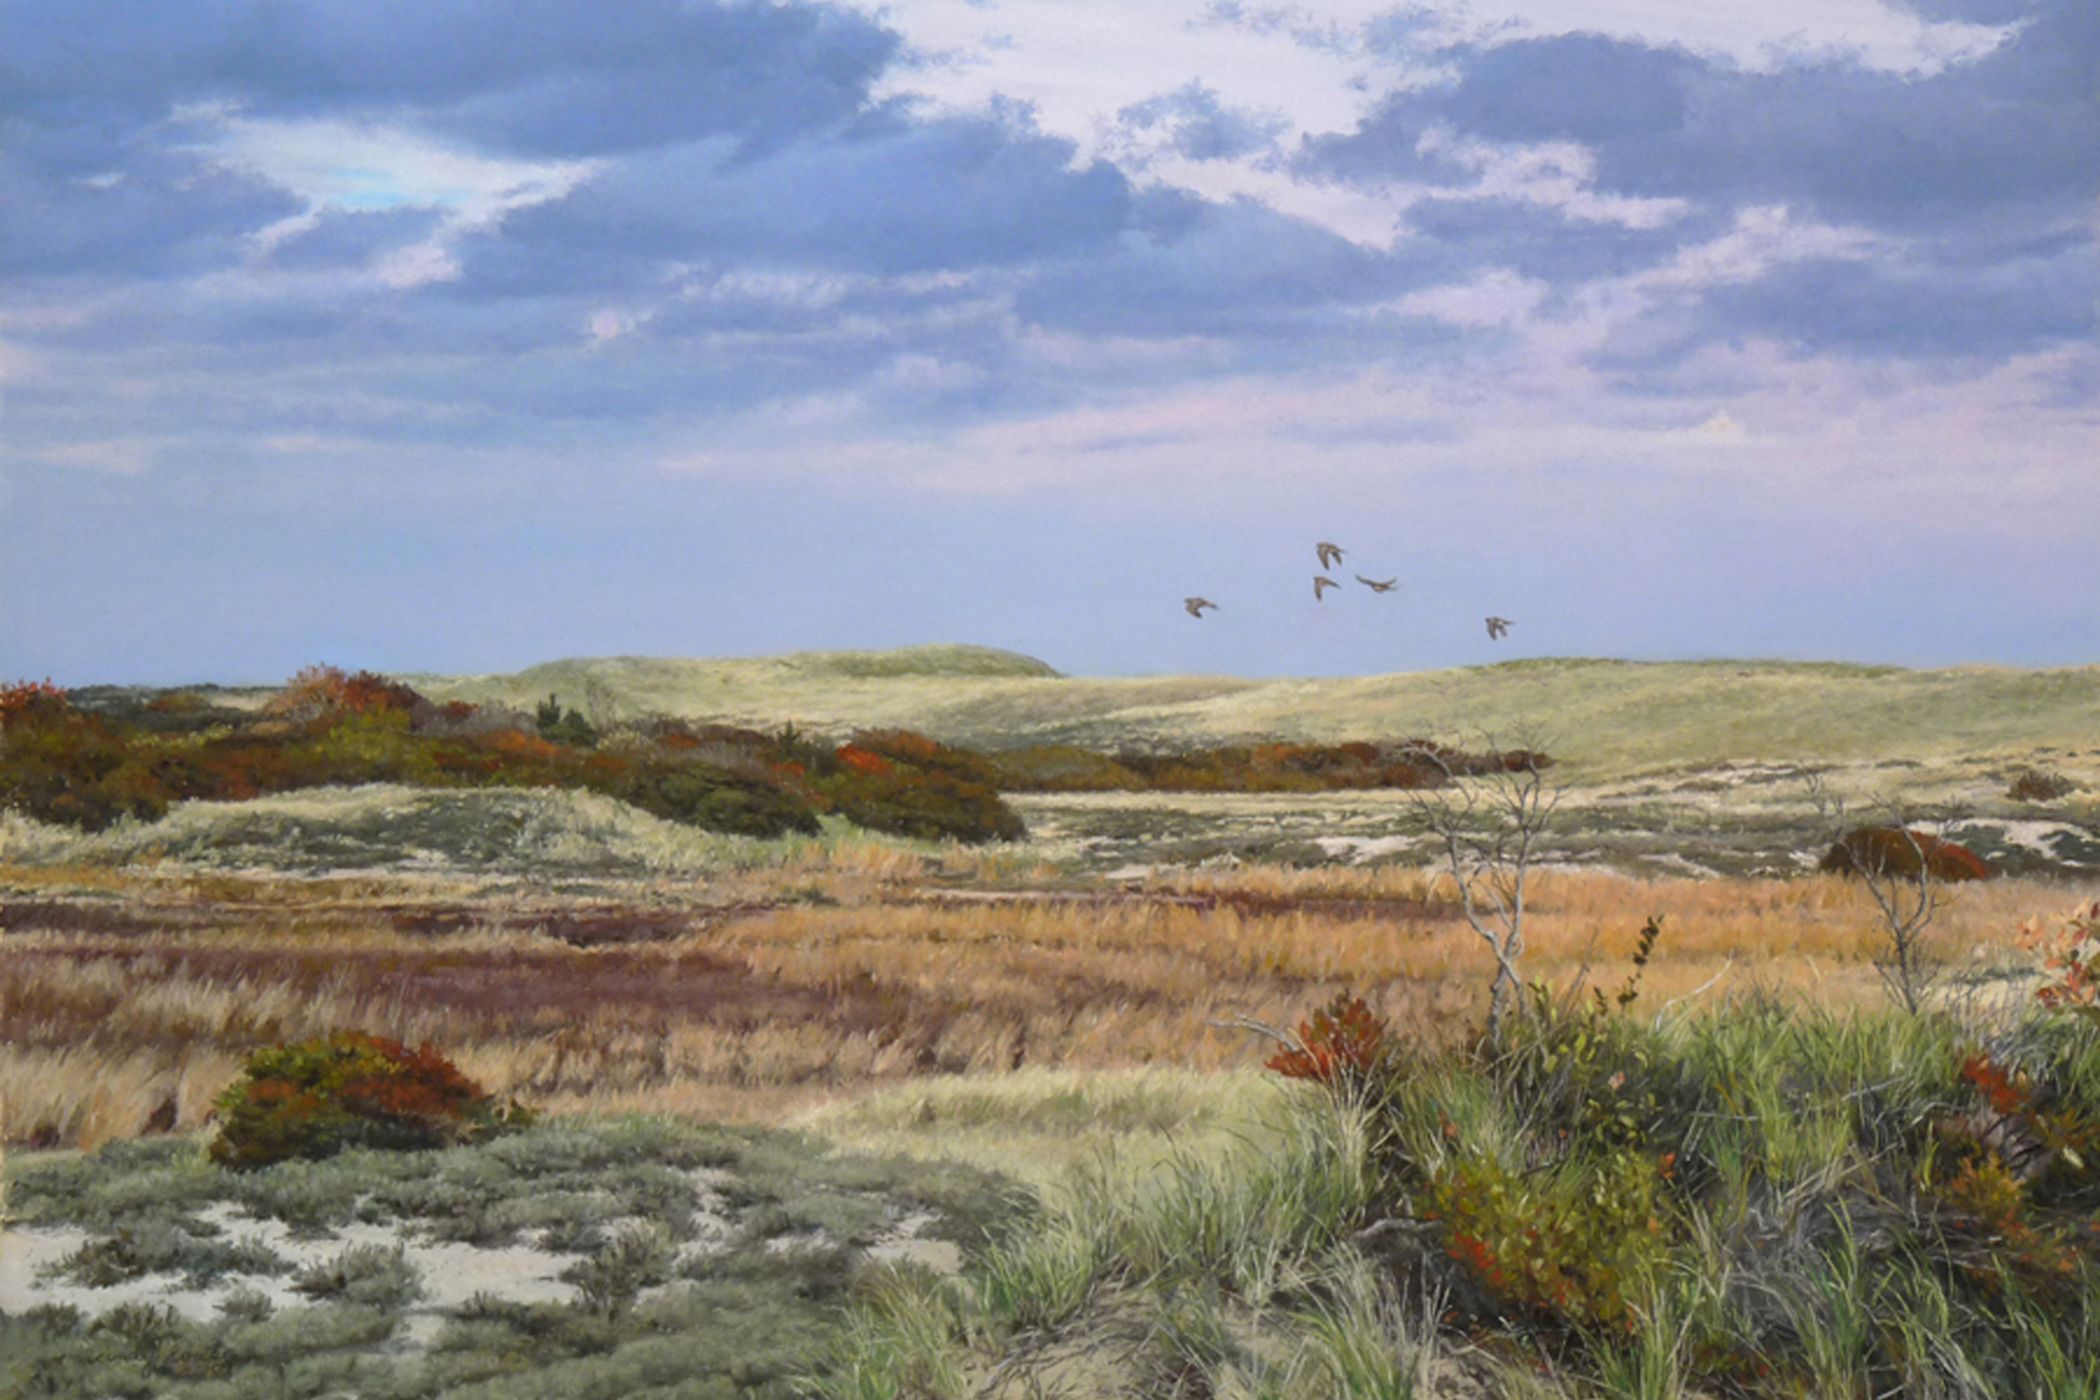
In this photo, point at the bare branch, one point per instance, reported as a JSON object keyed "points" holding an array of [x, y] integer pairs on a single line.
{"points": [[1488, 826]]}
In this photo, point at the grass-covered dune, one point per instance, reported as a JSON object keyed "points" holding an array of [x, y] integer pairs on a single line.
{"points": [[1600, 717]]}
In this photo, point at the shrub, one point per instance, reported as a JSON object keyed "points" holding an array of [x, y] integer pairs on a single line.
{"points": [[374, 1275], [567, 728], [609, 1281], [2071, 956], [2034, 785], [714, 798], [314, 1099], [1589, 1077], [903, 749], [933, 806], [63, 765], [1887, 852], [321, 692], [1344, 1046], [1580, 1247]]}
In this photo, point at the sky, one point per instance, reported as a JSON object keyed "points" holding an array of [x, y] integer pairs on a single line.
{"points": [[457, 336]]}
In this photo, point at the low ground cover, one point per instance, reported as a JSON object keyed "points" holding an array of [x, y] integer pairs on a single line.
{"points": [[589, 1257]]}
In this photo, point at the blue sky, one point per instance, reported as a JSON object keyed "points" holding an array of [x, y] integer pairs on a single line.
{"points": [[458, 336]]}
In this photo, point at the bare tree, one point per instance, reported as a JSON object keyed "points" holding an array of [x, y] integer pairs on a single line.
{"points": [[1898, 865], [1902, 869], [1487, 821]]}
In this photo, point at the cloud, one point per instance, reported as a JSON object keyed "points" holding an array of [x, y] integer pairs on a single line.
{"points": [[903, 198], [147, 142], [532, 78], [1236, 270], [1969, 184], [362, 249], [1191, 122], [72, 203], [347, 239]]}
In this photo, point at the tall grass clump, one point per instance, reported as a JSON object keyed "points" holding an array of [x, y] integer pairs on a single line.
{"points": [[1755, 1198]]}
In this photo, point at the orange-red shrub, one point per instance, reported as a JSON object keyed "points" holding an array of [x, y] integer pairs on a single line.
{"points": [[1881, 851], [315, 1099], [1342, 1045]]}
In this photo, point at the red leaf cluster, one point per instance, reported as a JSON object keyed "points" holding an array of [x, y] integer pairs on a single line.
{"points": [[854, 758], [1343, 1042], [29, 695]]}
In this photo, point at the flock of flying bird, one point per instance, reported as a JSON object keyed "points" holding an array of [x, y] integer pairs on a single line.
{"points": [[1331, 555]]}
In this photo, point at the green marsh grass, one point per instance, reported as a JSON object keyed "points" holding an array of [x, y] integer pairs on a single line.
{"points": [[1808, 1179], [1363, 1340]]}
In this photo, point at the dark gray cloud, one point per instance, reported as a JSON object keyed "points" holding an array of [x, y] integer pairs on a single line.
{"points": [[2018, 125], [527, 77], [1236, 270], [951, 193], [73, 204], [1980, 178], [1579, 87], [106, 104], [1986, 310], [1455, 238]]}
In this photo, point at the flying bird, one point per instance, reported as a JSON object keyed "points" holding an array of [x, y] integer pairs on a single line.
{"points": [[1498, 627], [1375, 586], [1330, 554], [1321, 583], [1197, 605]]}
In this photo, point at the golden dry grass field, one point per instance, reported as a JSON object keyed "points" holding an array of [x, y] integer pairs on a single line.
{"points": [[580, 954], [129, 995]]}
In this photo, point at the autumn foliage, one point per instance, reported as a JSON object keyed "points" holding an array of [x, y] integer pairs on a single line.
{"points": [[1886, 851], [315, 1099], [1344, 1044], [89, 764]]}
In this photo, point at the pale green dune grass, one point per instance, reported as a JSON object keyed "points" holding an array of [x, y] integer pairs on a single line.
{"points": [[1603, 719], [1034, 1124], [541, 831]]}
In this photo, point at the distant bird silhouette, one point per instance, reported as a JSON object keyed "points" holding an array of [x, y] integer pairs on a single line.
{"points": [[1330, 555], [1375, 586], [1321, 583], [1498, 627], [1197, 605]]}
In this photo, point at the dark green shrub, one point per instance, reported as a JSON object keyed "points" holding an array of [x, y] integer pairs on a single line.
{"points": [[714, 798], [799, 754], [566, 727], [314, 1099], [2035, 785], [933, 806]]}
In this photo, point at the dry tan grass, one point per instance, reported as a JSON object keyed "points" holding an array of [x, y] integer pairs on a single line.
{"points": [[854, 967]]}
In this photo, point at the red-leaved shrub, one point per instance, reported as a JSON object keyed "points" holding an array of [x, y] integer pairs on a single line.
{"points": [[314, 1099]]}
